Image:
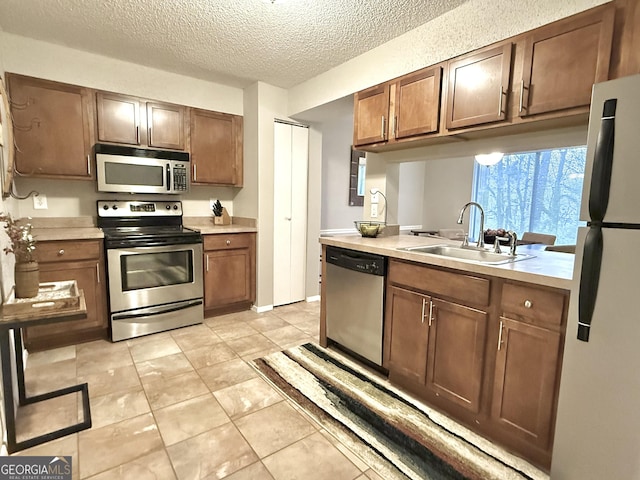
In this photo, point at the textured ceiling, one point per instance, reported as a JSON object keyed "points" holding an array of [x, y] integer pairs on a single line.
{"points": [[235, 42]]}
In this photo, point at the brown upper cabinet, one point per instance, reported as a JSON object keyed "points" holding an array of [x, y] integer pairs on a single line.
{"points": [[118, 118], [406, 107], [542, 75], [417, 103], [166, 125], [216, 148], [371, 115], [563, 60], [479, 87], [133, 121], [53, 128]]}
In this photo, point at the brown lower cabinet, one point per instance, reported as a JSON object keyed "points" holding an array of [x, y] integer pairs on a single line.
{"points": [[82, 261], [456, 353], [484, 350], [525, 380], [229, 272]]}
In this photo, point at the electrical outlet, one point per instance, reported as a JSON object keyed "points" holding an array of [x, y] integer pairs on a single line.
{"points": [[40, 201], [375, 198], [374, 210]]}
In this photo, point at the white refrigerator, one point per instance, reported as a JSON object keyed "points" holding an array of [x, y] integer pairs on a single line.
{"points": [[598, 423]]}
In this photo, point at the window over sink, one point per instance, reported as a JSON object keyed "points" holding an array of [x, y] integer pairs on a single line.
{"points": [[537, 191]]}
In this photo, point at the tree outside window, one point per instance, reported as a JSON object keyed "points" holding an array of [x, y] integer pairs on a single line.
{"points": [[532, 192]]}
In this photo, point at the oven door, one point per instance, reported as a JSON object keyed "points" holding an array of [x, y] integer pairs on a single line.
{"points": [[148, 276]]}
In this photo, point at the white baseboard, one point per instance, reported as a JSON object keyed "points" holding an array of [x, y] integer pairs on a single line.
{"points": [[265, 308], [315, 298]]}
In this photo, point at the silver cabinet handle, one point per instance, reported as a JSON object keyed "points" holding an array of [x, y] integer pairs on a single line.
{"points": [[228, 242], [528, 304], [431, 317], [89, 164], [395, 126], [61, 252], [207, 262], [500, 336], [383, 132], [521, 95], [98, 271], [500, 102], [195, 172], [423, 307], [149, 136], [138, 134]]}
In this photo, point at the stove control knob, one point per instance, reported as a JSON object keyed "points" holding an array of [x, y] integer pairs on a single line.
{"points": [[168, 207], [175, 207], [106, 207], [115, 207]]}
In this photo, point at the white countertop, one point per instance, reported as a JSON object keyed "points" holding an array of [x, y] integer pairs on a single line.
{"points": [[553, 269]]}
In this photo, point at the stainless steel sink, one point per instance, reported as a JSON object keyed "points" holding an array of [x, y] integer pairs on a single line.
{"points": [[469, 254]]}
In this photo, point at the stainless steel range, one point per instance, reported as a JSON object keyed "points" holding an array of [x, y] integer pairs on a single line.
{"points": [[154, 267]]}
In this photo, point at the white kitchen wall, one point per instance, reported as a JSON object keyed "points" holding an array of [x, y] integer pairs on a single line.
{"points": [[62, 64], [68, 198], [337, 136], [472, 25], [314, 209], [411, 202], [447, 187]]}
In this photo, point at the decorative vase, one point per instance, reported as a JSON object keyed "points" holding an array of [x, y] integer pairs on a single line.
{"points": [[27, 278]]}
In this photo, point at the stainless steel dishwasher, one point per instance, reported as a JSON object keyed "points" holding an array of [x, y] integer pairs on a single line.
{"points": [[355, 301]]}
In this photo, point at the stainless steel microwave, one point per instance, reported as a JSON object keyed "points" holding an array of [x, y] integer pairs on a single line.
{"points": [[136, 170]]}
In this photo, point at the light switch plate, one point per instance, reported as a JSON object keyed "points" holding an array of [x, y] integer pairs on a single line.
{"points": [[40, 202], [374, 210], [375, 198]]}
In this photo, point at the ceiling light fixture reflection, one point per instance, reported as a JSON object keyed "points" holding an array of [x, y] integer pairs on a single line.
{"points": [[489, 159]]}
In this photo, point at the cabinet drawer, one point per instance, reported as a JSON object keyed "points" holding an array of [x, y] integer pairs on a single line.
{"points": [[66, 251], [533, 304], [459, 286], [225, 241]]}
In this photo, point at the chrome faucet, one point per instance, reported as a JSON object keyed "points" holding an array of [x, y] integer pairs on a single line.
{"points": [[481, 234], [513, 240]]}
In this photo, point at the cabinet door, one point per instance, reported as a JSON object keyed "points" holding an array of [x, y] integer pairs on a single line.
{"points": [[227, 277], [371, 110], [165, 126], [526, 375], [417, 103], [118, 118], [53, 128], [479, 87], [90, 278], [563, 61], [408, 313], [216, 148], [456, 353]]}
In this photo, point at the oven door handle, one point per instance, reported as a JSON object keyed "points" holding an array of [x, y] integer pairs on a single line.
{"points": [[146, 312]]}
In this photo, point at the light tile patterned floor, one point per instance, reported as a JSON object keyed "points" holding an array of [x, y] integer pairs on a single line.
{"points": [[185, 405]]}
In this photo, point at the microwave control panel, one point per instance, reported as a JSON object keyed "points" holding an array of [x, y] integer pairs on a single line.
{"points": [[179, 177]]}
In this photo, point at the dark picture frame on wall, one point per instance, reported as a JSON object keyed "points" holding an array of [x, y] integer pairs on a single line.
{"points": [[356, 177]]}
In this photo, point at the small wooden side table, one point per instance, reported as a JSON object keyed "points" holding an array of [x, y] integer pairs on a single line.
{"points": [[17, 323]]}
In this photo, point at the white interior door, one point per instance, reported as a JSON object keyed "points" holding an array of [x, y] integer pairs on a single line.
{"points": [[291, 152]]}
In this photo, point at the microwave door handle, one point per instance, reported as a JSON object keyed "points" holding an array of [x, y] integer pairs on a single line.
{"points": [[168, 177]]}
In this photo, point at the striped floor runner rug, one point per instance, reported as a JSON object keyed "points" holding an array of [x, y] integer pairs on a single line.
{"points": [[395, 435]]}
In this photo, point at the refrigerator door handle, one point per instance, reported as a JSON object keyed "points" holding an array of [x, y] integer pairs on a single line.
{"points": [[602, 163], [589, 278]]}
